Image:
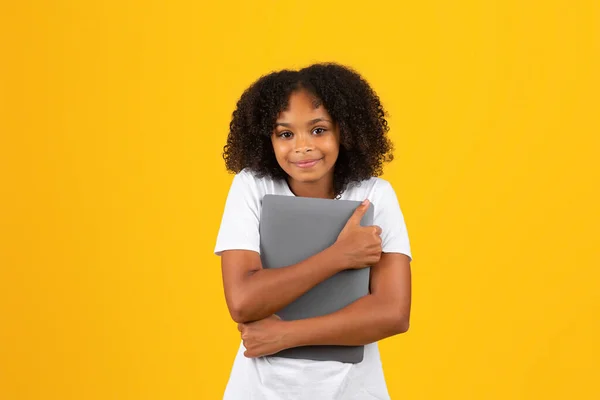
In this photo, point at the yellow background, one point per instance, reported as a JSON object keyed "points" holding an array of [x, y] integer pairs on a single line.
{"points": [[113, 115]]}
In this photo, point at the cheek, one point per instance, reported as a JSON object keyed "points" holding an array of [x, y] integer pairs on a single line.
{"points": [[331, 147], [276, 148], [280, 150]]}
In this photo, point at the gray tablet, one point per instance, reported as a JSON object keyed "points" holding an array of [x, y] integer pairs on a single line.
{"points": [[291, 230]]}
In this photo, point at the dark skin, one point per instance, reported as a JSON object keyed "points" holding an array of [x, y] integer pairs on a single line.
{"points": [[305, 133]]}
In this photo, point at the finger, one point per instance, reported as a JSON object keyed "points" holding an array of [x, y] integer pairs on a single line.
{"points": [[375, 259], [250, 353], [359, 212], [377, 230]]}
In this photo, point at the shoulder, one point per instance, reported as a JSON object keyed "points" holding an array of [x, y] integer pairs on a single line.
{"points": [[256, 185], [373, 188], [250, 179], [249, 175], [380, 184]]}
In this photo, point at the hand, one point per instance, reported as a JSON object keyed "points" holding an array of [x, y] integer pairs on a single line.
{"points": [[263, 337], [360, 246]]}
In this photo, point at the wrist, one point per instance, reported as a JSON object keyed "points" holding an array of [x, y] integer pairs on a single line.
{"points": [[289, 335], [336, 258]]}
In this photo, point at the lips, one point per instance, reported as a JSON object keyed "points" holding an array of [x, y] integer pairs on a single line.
{"points": [[307, 163]]}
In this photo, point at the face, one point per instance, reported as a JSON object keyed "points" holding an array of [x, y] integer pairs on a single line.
{"points": [[306, 141]]}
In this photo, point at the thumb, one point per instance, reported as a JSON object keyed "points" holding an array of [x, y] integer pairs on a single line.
{"points": [[359, 212]]}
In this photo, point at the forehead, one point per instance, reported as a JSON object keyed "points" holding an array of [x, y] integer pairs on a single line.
{"points": [[303, 105]]}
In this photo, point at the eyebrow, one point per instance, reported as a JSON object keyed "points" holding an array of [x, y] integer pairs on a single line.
{"points": [[312, 121]]}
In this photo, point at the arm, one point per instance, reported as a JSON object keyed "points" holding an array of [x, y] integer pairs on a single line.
{"points": [[253, 293], [383, 313]]}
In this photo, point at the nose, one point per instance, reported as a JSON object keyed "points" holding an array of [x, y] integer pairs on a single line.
{"points": [[304, 144]]}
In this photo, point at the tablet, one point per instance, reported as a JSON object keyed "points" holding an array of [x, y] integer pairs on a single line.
{"points": [[291, 230]]}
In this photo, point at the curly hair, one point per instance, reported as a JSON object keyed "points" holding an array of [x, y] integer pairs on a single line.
{"points": [[344, 93]]}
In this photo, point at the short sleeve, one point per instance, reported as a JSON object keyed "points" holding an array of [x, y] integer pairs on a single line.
{"points": [[389, 217], [241, 216]]}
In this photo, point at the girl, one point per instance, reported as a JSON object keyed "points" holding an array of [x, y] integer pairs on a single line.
{"points": [[317, 132]]}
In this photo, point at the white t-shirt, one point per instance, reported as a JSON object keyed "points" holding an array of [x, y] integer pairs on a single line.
{"points": [[278, 378]]}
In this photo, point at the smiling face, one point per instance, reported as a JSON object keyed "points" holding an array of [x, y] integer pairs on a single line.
{"points": [[306, 142]]}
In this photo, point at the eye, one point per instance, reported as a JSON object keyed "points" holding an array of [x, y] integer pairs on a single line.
{"points": [[319, 131], [285, 134]]}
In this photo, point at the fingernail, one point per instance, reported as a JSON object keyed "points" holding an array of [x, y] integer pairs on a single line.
{"points": [[365, 202]]}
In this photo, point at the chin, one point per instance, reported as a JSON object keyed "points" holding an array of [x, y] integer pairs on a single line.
{"points": [[306, 179], [308, 175]]}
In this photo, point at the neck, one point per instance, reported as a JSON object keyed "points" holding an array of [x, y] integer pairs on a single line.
{"points": [[322, 189]]}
